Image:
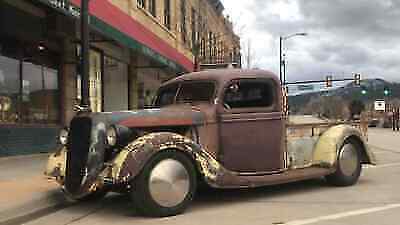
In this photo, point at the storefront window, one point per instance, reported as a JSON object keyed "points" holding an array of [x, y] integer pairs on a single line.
{"points": [[9, 89], [39, 94], [30, 95]]}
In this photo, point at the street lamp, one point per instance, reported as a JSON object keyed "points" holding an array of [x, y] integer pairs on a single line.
{"points": [[85, 103], [281, 62]]}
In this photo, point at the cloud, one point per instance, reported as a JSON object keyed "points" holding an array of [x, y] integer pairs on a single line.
{"points": [[344, 36]]}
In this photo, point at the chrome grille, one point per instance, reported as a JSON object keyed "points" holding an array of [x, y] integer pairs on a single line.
{"points": [[78, 150]]}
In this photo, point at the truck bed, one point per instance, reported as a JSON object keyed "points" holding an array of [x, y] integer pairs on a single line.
{"points": [[310, 126], [302, 134], [305, 119]]}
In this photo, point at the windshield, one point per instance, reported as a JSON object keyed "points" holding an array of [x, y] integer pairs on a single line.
{"points": [[186, 92]]}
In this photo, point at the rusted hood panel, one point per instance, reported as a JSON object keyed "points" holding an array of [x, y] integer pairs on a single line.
{"points": [[172, 116]]}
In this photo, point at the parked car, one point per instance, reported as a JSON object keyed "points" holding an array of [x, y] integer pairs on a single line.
{"points": [[226, 128]]}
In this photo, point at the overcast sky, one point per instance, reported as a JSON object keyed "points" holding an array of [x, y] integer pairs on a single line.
{"points": [[344, 36]]}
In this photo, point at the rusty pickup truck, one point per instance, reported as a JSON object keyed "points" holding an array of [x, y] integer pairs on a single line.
{"points": [[223, 128]]}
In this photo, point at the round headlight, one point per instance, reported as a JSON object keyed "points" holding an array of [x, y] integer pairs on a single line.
{"points": [[112, 136], [63, 137]]}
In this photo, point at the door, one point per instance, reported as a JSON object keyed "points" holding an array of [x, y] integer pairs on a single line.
{"points": [[115, 85], [251, 126]]}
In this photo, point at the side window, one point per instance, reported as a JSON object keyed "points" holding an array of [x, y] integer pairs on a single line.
{"points": [[166, 96], [249, 94]]}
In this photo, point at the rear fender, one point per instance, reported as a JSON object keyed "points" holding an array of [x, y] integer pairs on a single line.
{"points": [[328, 145], [131, 160]]}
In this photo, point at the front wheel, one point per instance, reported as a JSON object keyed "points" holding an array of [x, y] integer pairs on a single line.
{"points": [[166, 185], [348, 166]]}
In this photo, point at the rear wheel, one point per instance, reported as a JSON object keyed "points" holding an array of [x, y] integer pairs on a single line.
{"points": [[348, 166], [166, 185]]}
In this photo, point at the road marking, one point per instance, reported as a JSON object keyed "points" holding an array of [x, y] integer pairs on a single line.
{"points": [[386, 165], [380, 149], [343, 215], [381, 166], [381, 152]]}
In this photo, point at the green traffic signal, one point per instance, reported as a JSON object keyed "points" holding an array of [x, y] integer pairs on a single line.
{"points": [[363, 92], [386, 91]]}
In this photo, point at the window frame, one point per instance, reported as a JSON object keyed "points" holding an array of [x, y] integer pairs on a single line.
{"points": [[49, 60], [183, 21], [274, 107], [153, 8], [179, 87], [141, 4], [167, 14], [193, 28]]}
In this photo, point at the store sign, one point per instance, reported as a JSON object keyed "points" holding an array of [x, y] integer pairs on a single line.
{"points": [[66, 6]]}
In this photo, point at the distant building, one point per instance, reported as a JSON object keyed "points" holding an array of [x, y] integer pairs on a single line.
{"points": [[135, 45]]}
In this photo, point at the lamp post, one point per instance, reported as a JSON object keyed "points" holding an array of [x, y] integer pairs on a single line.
{"points": [[281, 61], [85, 103]]}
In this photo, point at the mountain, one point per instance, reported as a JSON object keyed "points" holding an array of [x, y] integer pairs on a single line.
{"points": [[374, 89]]}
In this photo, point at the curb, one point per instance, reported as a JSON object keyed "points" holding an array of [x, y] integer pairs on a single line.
{"points": [[18, 157], [34, 209]]}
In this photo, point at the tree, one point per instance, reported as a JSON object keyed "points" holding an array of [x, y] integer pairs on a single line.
{"points": [[356, 107], [329, 107]]}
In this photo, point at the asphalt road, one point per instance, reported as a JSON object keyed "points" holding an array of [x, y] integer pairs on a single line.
{"points": [[375, 200]]}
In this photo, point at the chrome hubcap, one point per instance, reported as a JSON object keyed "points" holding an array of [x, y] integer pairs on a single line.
{"points": [[348, 160], [169, 183]]}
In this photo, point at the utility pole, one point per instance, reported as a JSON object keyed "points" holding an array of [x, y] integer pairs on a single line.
{"points": [[85, 103], [249, 54], [280, 59], [284, 64]]}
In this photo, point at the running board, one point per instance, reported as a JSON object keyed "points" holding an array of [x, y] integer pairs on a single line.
{"points": [[239, 181]]}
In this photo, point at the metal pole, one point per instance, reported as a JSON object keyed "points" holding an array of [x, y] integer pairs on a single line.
{"points": [[85, 103], [280, 59], [284, 69]]}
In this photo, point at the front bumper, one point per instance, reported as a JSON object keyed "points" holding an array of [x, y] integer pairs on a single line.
{"points": [[56, 169]]}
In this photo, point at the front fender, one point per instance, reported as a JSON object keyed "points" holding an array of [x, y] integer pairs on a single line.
{"points": [[131, 160], [56, 164], [328, 145]]}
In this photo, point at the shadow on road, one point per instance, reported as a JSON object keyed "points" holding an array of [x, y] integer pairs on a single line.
{"points": [[116, 204]]}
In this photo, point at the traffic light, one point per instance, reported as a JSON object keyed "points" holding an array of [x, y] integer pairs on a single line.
{"points": [[357, 79], [364, 91], [386, 91], [328, 81]]}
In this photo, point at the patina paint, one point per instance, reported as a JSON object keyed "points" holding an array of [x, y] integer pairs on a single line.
{"points": [[133, 157], [169, 116], [329, 144], [56, 165], [205, 148]]}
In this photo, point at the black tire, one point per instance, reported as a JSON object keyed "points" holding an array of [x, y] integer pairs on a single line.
{"points": [[140, 191], [342, 178]]}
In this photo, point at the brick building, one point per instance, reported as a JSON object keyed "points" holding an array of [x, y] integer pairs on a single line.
{"points": [[135, 45]]}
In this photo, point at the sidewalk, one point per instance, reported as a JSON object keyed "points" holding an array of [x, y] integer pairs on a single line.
{"points": [[23, 187]]}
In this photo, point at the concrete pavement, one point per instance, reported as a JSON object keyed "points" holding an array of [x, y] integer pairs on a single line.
{"points": [[374, 200], [23, 188]]}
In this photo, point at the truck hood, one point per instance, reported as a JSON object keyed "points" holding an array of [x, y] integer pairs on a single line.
{"points": [[170, 116], [88, 132]]}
